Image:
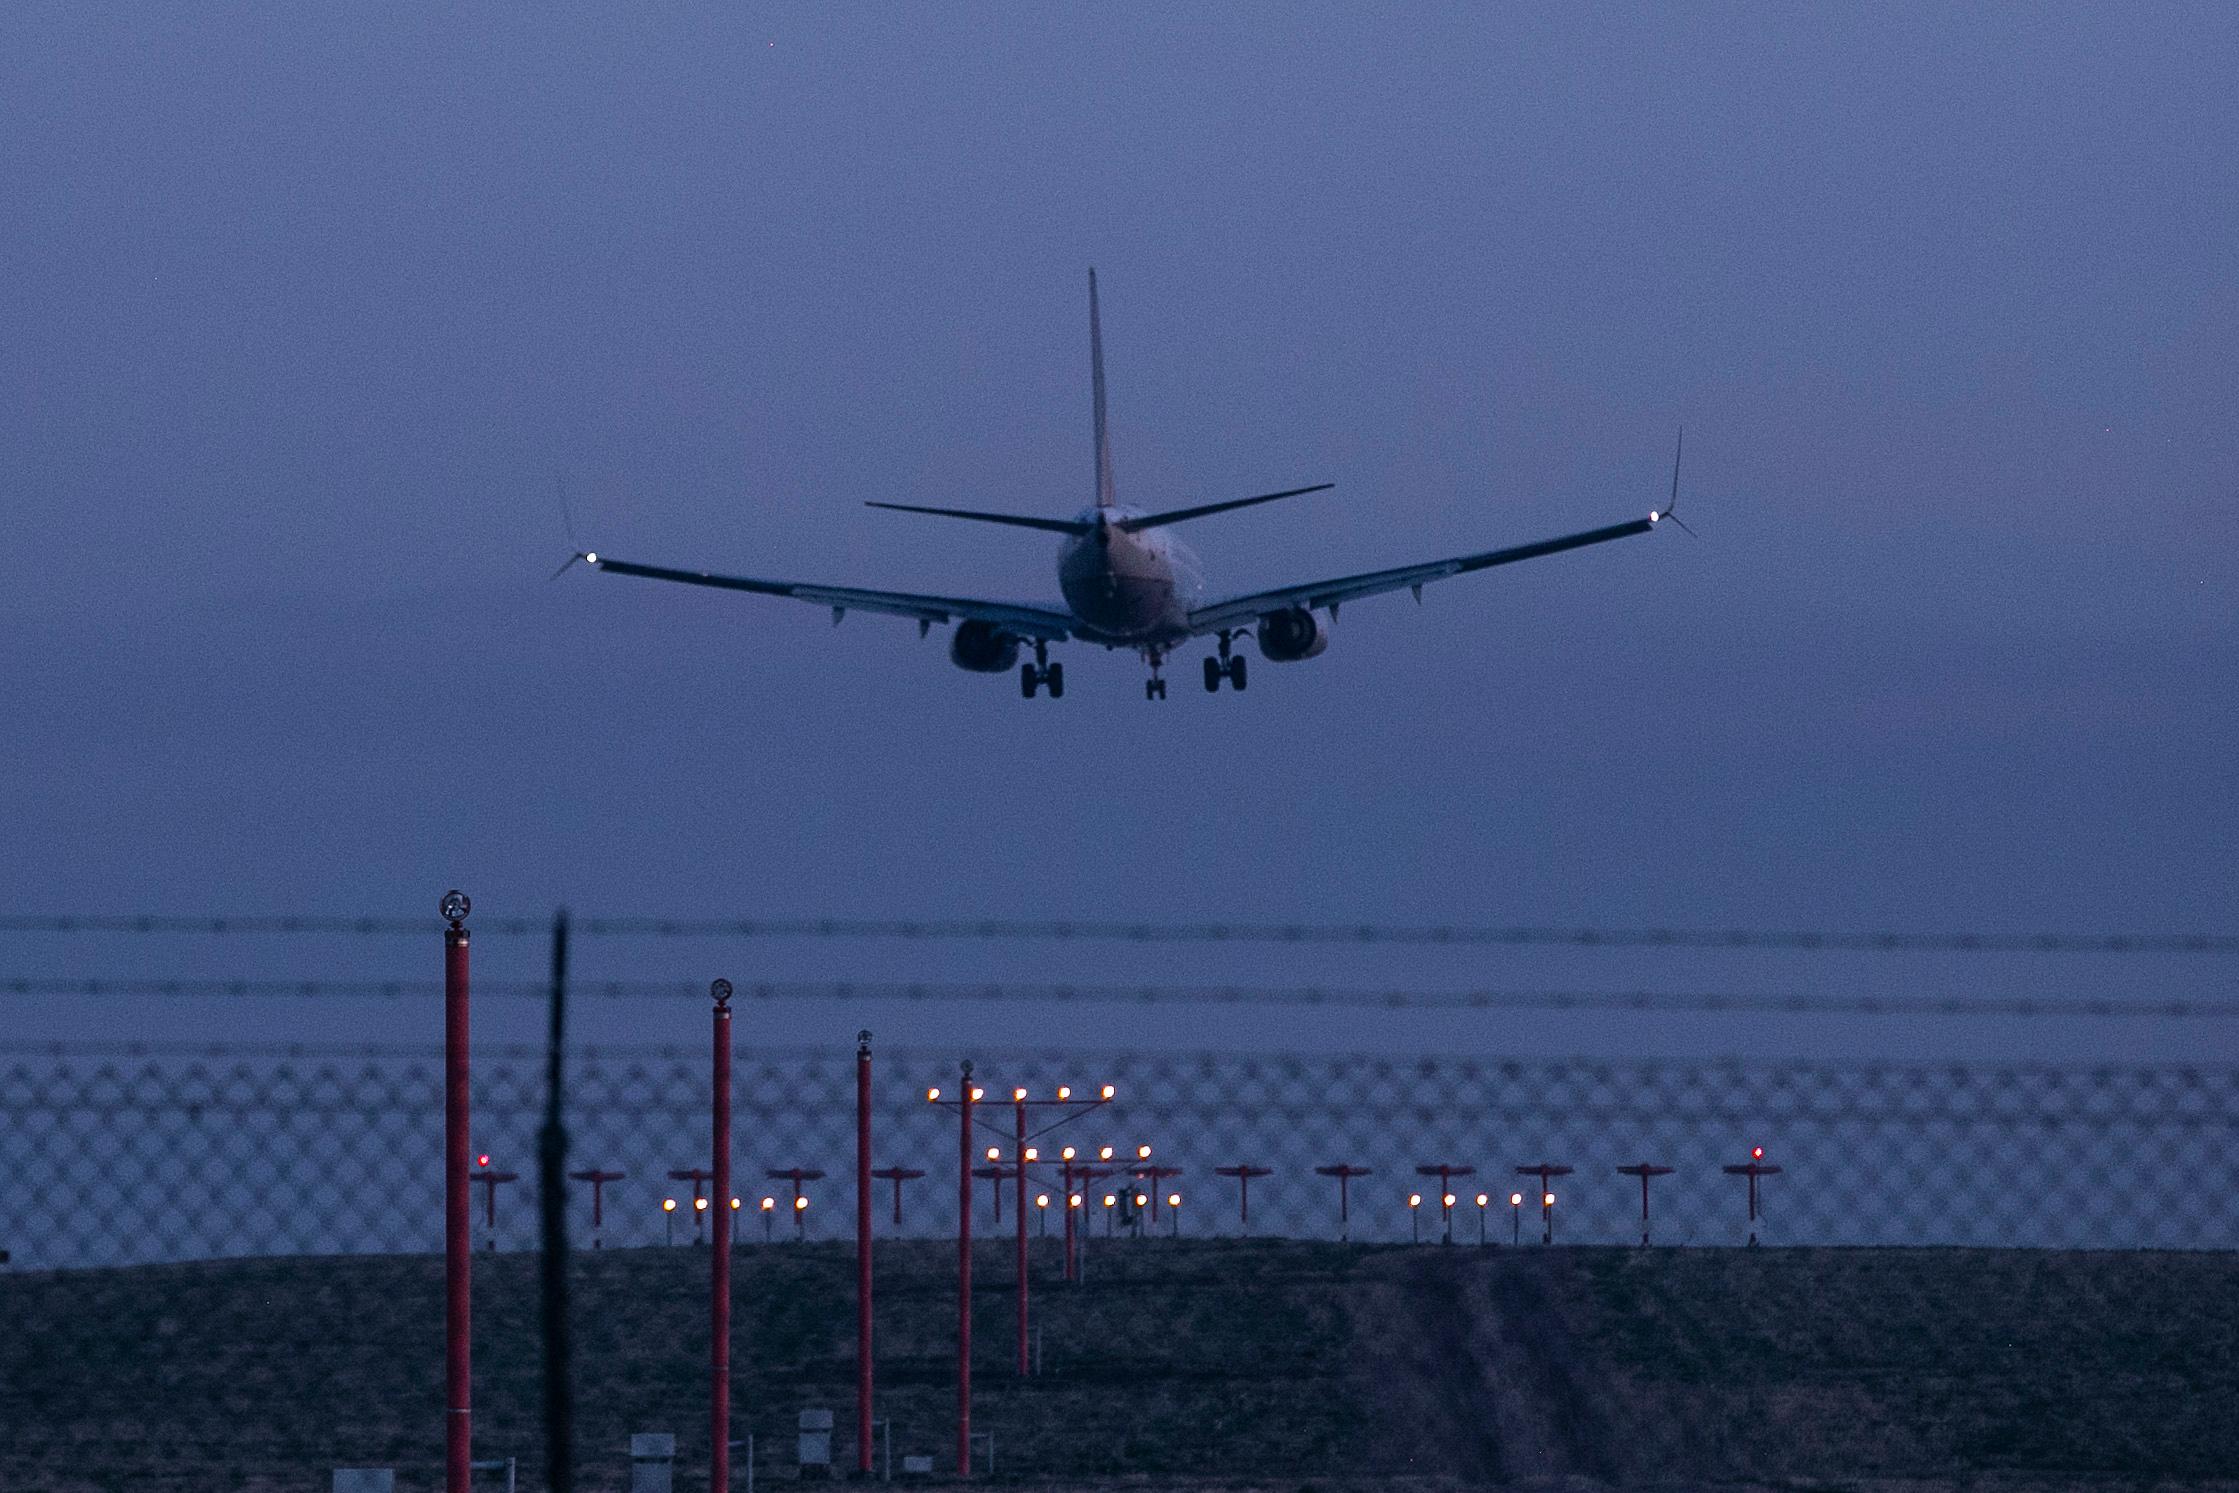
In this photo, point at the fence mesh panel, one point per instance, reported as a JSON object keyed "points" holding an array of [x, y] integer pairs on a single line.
{"points": [[224, 1266]]}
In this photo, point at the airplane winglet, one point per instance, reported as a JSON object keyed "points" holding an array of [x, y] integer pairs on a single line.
{"points": [[1671, 507]]}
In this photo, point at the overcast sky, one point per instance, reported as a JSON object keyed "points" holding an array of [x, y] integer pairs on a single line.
{"points": [[307, 307]]}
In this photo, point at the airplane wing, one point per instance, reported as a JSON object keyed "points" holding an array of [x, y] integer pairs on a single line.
{"points": [[1026, 621], [1239, 611]]}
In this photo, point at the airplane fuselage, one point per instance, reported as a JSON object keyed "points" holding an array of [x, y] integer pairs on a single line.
{"points": [[1133, 588]]}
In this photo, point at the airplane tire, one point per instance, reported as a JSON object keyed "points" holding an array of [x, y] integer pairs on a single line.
{"points": [[1054, 677], [1027, 681], [1236, 671], [1212, 676]]}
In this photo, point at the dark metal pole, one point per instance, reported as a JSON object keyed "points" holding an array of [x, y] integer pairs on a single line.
{"points": [[719, 1304], [458, 1226], [552, 1159]]}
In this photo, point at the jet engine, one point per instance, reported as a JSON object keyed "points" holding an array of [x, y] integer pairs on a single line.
{"points": [[982, 647], [1288, 636]]}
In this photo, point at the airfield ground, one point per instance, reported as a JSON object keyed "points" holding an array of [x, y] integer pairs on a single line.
{"points": [[1207, 1365]]}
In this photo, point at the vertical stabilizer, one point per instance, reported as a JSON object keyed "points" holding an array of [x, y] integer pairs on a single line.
{"points": [[1104, 497]]}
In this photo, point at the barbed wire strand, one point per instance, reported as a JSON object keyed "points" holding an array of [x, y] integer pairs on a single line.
{"points": [[1060, 930], [1697, 1002]]}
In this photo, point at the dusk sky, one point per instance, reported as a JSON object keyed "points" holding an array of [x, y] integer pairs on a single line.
{"points": [[307, 309]]}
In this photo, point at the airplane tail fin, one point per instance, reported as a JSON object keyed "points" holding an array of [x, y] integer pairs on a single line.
{"points": [[1104, 494]]}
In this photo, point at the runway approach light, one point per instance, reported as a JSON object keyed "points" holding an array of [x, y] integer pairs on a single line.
{"points": [[1111, 1200], [993, 1152], [1142, 1153], [1041, 1200], [1173, 1200], [768, 1204], [800, 1205], [668, 1205], [1067, 1153], [1142, 1200], [1019, 1095], [1447, 1201], [734, 1205], [1065, 1092], [1414, 1200], [1103, 1153], [1074, 1201], [1548, 1201], [1515, 1200], [1483, 1199], [1107, 1091], [1756, 1153], [699, 1204], [978, 1095], [1033, 1153], [932, 1096]]}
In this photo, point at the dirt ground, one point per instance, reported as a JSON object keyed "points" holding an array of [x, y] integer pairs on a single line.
{"points": [[1259, 1367]]}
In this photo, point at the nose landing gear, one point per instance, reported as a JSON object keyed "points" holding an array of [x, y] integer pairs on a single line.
{"points": [[1041, 672], [1154, 688], [1229, 666]]}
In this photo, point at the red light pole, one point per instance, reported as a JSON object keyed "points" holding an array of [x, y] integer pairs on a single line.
{"points": [[719, 1275], [1446, 1173], [1546, 1174], [797, 1175], [863, 1361], [1644, 1171], [1344, 1172], [897, 1175], [458, 1227], [965, 1099], [490, 1180], [968, 1098], [598, 1181], [996, 1174], [697, 1176], [1153, 1178], [1753, 1169], [1243, 1176]]}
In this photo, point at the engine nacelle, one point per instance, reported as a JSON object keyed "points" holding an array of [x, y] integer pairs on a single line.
{"points": [[1288, 636], [982, 647]]}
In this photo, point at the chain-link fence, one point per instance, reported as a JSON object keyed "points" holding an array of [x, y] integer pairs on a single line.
{"points": [[225, 1273], [112, 1155]]}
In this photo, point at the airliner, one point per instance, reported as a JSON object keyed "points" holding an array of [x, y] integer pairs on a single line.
{"points": [[1127, 583]]}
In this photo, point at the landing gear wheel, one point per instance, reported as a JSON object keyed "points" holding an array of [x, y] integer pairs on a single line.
{"points": [[1054, 677], [1028, 678], [1235, 673], [1212, 676], [1154, 689]]}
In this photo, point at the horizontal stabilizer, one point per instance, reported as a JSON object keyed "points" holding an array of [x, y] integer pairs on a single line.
{"points": [[1175, 516], [1053, 525]]}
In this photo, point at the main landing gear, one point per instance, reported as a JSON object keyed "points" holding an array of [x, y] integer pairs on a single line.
{"points": [[1041, 672], [1229, 666], [1154, 688]]}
